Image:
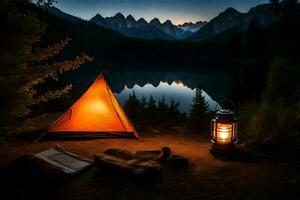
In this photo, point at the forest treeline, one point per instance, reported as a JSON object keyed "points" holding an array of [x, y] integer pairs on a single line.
{"points": [[150, 113], [272, 122]]}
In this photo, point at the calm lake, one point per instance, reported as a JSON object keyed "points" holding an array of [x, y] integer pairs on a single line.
{"points": [[165, 83], [176, 91]]}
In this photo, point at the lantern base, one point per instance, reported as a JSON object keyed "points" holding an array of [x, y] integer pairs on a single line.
{"points": [[221, 149]]}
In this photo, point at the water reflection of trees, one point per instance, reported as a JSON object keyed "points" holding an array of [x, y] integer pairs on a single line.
{"points": [[148, 112], [216, 84]]}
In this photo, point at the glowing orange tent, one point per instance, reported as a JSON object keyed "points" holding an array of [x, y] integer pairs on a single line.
{"points": [[97, 112]]}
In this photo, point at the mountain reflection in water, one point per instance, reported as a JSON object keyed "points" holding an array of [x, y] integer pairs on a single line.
{"points": [[176, 91], [172, 84]]}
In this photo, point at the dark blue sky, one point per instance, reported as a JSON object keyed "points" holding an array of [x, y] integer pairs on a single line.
{"points": [[178, 11]]}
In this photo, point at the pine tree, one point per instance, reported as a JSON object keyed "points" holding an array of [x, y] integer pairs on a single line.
{"points": [[173, 108], [26, 63], [200, 105], [132, 107], [151, 105], [143, 105], [162, 106], [151, 111], [162, 111], [173, 113]]}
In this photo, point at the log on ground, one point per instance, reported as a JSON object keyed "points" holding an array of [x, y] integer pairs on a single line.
{"points": [[139, 168]]}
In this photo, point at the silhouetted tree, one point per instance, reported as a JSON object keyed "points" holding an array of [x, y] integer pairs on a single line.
{"points": [[147, 112], [132, 107], [26, 63], [151, 105], [162, 109], [200, 105], [173, 113], [173, 108], [143, 105], [198, 117], [162, 106], [151, 110]]}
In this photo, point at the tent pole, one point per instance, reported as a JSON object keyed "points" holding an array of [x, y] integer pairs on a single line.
{"points": [[135, 132], [107, 89]]}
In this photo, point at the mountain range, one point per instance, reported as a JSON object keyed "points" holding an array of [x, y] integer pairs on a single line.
{"points": [[230, 20], [131, 27]]}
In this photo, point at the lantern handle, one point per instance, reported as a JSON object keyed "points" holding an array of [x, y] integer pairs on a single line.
{"points": [[224, 100]]}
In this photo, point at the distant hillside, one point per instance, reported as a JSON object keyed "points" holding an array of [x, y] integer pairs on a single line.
{"points": [[232, 20], [55, 11]]}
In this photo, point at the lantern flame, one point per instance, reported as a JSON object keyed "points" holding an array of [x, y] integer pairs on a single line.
{"points": [[224, 133]]}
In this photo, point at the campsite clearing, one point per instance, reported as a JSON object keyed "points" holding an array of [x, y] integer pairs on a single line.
{"points": [[206, 178]]}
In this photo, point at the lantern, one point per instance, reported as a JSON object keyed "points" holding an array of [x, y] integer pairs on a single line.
{"points": [[223, 131]]}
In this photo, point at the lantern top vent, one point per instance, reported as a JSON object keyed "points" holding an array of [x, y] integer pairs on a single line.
{"points": [[225, 115], [225, 112]]}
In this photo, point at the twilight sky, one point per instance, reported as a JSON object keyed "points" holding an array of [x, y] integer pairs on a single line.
{"points": [[178, 11]]}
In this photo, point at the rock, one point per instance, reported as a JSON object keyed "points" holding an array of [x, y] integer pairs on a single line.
{"points": [[165, 154], [178, 161], [120, 153]]}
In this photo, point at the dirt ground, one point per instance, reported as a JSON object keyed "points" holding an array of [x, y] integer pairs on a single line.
{"points": [[207, 177]]}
